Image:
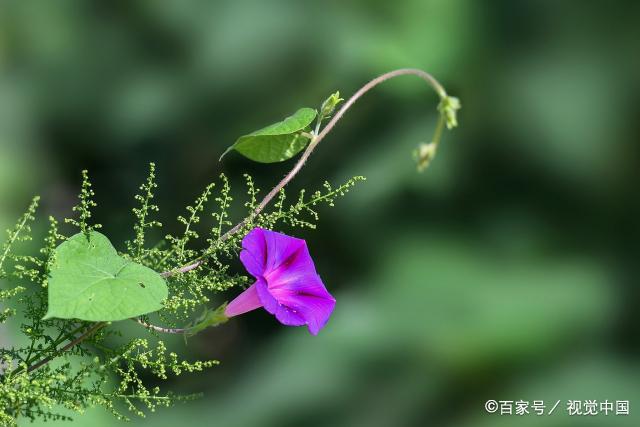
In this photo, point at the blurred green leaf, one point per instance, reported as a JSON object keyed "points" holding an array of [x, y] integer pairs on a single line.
{"points": [[277, 142], [465, 305], [89, 281]]}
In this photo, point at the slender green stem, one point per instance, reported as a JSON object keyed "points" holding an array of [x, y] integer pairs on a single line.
{"points": [[14, 236], [27, 359], [70, 345], [317, 138], [437, 135], [327, 129]]}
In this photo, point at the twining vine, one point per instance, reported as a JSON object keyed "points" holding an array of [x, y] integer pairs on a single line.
{"points": [[70, 299]]}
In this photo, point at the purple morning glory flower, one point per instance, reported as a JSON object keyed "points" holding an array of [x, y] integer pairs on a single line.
{"points": [[287, 284]]}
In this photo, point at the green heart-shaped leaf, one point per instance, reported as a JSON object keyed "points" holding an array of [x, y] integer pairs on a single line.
{"points": [[277, 142], [90, 281]]}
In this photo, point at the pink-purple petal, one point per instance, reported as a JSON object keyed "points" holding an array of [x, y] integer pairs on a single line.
{"points": [[246, 301], [296, 266], [287, 284], [290, 317], [280, 250], [315, 309], [254, 252], [269, 302]]}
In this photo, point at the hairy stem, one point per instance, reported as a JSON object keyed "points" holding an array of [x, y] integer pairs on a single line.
{"points": [[161, 329], [317, 138], [328, 128]]}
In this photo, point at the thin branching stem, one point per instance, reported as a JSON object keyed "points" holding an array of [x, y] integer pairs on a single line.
{"points": [[69, 346], [317, 138], [78, 389]]}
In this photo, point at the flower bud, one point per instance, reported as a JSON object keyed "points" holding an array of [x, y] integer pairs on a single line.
{"points": [[330, 104], [449, 105], [424, 154]]}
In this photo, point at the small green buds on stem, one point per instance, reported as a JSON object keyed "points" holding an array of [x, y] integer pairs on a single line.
{"points": [[424, 154], [84, 207], [284, 140], [81, 283], [329, 105], [448, 108]]}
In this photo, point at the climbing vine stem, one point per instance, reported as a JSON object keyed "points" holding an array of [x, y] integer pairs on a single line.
{"points": [[447, 108], [447, 116]]}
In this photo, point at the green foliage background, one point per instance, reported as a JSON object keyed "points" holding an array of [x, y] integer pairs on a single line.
{"points": [[508, 271]]}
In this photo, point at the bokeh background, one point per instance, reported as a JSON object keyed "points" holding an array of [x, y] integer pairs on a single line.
{"points": [[507, 271]]}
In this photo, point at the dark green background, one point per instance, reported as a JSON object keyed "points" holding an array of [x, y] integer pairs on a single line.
{"points": [[507, 271]]}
